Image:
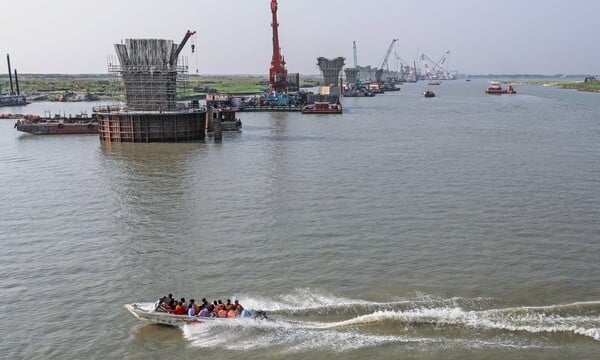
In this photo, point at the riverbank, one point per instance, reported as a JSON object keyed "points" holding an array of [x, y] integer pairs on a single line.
{"points": [[94, 87], [580, 86]]}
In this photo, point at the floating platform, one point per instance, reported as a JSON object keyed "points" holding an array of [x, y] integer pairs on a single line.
{"points": [[270, 108], [58, 125], [116, 125]]}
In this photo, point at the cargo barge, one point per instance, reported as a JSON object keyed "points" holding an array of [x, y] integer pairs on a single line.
{"points": [[58, 125]]}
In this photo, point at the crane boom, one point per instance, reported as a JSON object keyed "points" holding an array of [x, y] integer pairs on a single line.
{"points": [[384, 64], [356, 77], [277, 71], [175, 55]]}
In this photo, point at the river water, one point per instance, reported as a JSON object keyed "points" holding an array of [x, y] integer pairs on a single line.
{"points": [[465, 226]]}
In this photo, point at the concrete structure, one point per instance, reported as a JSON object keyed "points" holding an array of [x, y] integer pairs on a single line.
{"points": [[367, 74], [330, 68], [151, 74]]}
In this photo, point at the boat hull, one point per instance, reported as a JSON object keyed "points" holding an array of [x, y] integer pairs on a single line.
{"points": [[53, 129], [145, 312], [66, 126]]}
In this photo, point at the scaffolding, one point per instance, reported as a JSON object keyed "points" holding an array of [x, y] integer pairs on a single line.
{"points": [[149, 73]]}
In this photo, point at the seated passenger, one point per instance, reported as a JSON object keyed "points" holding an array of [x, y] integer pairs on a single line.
{"points": [[191, 310], [179, 310], [194, 305], [238, 307], [222, 313], [232, 313], [203, 311], [229, 305]]}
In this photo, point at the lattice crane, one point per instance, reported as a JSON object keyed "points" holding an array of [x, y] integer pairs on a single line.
{"points": [[277, 71], [384, 64]]}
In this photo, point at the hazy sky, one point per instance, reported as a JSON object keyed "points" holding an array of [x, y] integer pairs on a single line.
{"points": [[234, 36]]}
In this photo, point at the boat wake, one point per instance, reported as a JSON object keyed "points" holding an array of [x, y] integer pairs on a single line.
{"points": [[308, 321]]}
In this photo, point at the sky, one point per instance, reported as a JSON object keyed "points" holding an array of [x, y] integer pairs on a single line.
{"points": [[234, 36]]}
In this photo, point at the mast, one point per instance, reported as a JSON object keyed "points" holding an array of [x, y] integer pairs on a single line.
{"points": [[277, 71], [12, 90], [17, 82]]}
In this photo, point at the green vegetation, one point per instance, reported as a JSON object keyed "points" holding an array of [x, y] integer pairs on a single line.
{"points": [[589, 86], [565, 84], [56, 86], [226, 84]]}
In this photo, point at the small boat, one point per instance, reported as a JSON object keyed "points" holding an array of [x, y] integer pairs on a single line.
{"points": [[225, 108], [496, 88], [322, 107], [428, 94], [146, 312], [434, 82], [13, 100], [58, 125]]}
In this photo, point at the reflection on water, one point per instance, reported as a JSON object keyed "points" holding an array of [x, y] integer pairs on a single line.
{"points": [[467, 226]]}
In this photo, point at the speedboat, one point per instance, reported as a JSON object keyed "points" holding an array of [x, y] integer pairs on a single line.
{"points": [[146, 312], [428, 94]]}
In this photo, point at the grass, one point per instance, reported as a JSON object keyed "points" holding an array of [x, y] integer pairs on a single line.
{"points": [[102, 84]]}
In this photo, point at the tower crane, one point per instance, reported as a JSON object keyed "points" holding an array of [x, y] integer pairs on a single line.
{"points": [[277, 71], [384, 64]]}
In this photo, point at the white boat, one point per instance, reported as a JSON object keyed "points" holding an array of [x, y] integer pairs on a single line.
{"points": [[145, 312]]}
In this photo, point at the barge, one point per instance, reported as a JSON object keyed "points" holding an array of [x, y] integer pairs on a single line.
{"points": [[58, 125]]}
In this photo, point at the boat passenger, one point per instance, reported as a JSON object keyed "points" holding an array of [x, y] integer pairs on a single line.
{"points": [[191, 311], [238, 307], [170, 306], [194, 305], [222, 313], [211, 310], [229, 305], [184, 304], [232, 313], [161, 305], [179, 310], [203, 311]]}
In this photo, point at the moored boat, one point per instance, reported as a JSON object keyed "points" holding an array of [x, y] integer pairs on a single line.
{"points": [[13, 100], [225, 108], [146, 312], [58, 125]]}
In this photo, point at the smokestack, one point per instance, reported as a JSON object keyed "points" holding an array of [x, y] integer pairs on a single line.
{"points": [[12, 91], [17, 82]]}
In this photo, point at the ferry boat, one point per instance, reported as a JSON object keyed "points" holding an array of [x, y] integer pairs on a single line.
{"points": [[58, 125], [146, 312], [322, 104], [496, 88], [322, 107]]}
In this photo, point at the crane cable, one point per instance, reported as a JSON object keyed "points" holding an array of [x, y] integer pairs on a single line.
{"points": [[196, 53]]}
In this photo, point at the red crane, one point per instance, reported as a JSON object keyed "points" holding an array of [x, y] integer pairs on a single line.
{"points": [[277, 71]]}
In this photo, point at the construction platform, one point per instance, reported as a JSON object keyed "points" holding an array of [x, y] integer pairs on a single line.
{"points": [[115, 125]]}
